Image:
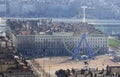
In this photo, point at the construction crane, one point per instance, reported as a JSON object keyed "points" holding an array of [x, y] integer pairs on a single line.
{"points": [[84, 12], [84, 9], [77, 50]]}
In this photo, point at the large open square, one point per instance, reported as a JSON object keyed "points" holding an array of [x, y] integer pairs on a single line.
{"points": [[52, 64]]}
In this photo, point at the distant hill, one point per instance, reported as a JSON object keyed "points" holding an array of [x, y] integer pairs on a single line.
{"points": [[98, 9]]}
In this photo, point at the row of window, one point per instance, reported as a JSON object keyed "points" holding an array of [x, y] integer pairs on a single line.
{"points": [[44, 39], [59, 44], [53, 40], [58, 38]]}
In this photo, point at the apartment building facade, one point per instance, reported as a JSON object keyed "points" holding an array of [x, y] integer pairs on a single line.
{"points": [[59, 44]]}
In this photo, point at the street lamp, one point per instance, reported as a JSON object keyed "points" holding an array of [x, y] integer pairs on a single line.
{"points": [[49, 70], [44, 55]]}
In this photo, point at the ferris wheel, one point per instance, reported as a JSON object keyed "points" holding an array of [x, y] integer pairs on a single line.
{"points": [[75, 48], [69, 44]]}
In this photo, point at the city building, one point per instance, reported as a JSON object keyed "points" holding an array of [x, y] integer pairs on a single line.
{"points": [[14, 8], [3, 7], [27, 7], [20, 71], [6, 32], [61, 43], [116, 56], [12, 64]]}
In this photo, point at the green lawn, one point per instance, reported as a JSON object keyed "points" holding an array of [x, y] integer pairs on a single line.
{"points": [[114, 43]]}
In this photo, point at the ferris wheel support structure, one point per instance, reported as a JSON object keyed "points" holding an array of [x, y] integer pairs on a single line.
{"points": [[77, 50]]}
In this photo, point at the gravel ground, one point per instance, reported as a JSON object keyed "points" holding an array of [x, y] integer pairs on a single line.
{"points": [[50, 65]]}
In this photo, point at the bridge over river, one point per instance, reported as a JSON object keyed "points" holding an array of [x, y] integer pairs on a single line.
{"points": [[90, 21]]}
